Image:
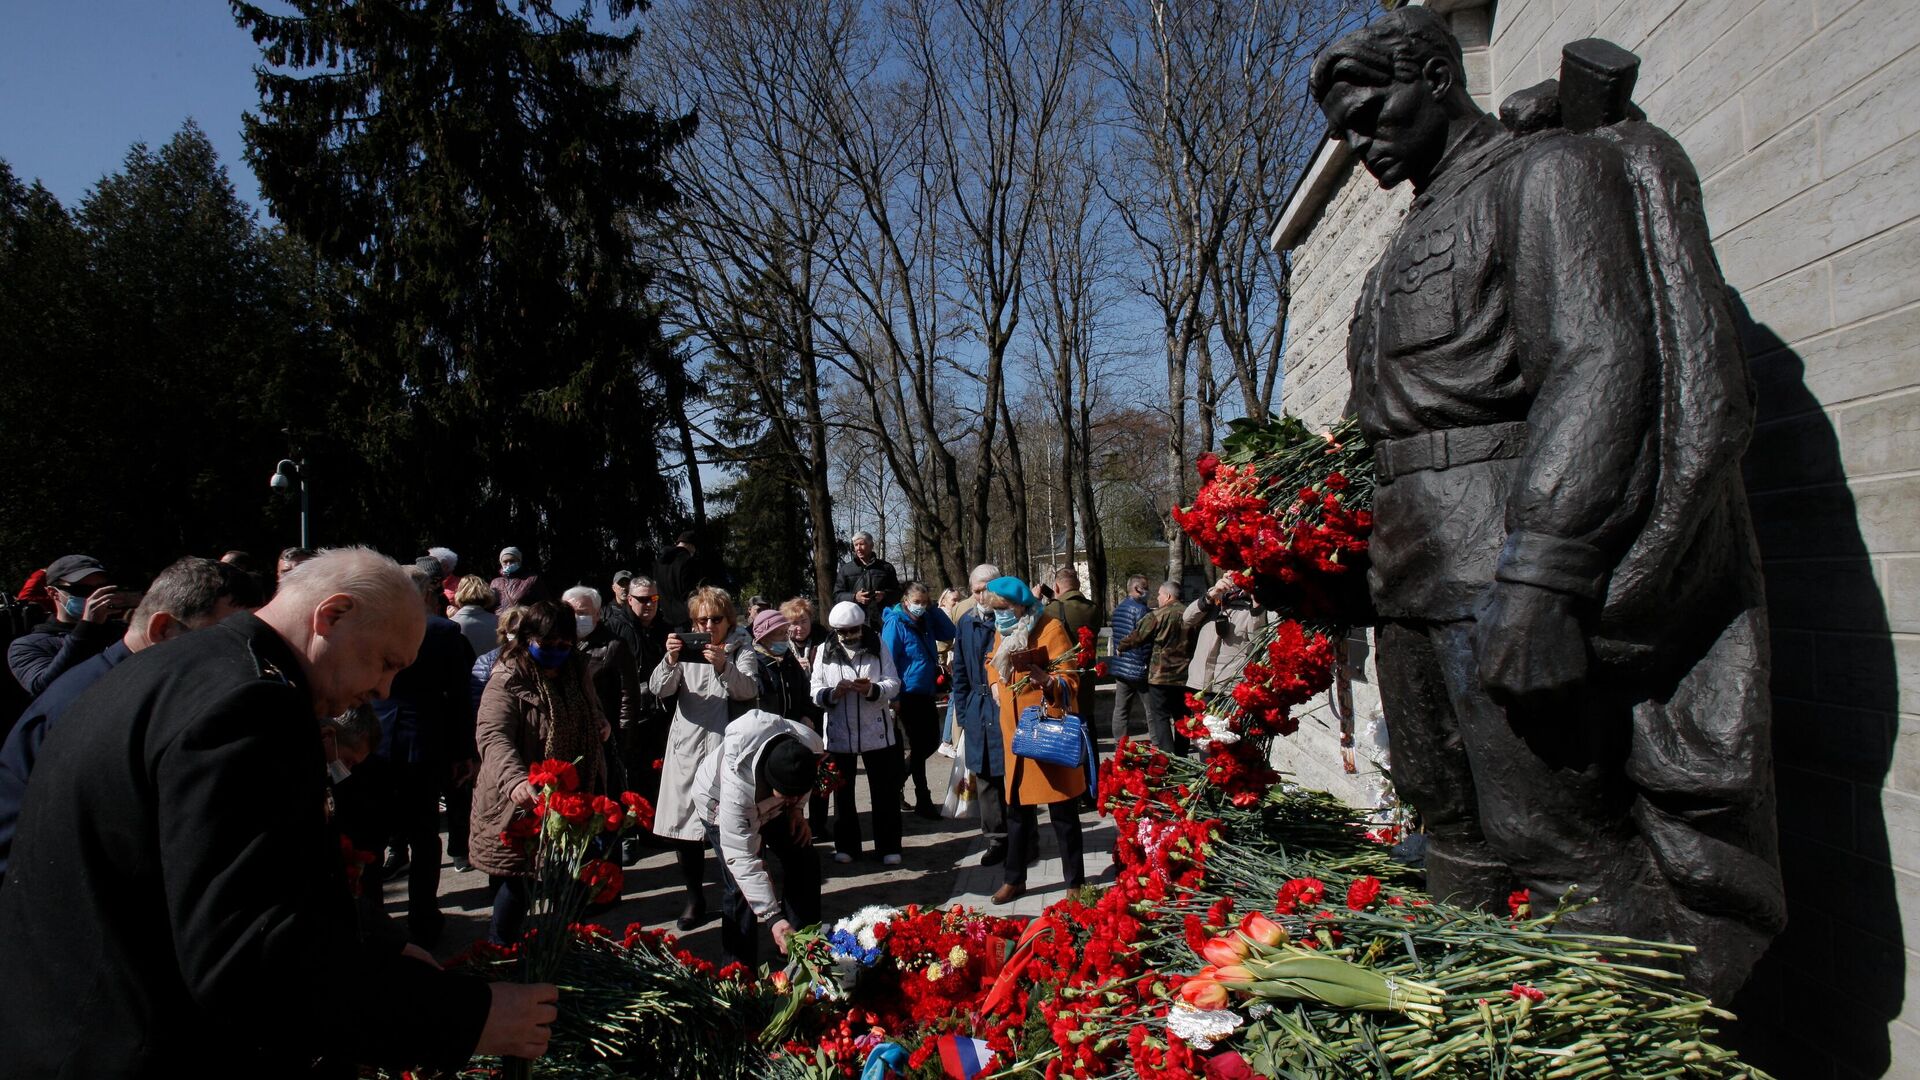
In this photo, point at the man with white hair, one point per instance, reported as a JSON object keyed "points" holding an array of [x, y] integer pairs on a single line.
{"points": [[175, 844], [978, 713]]}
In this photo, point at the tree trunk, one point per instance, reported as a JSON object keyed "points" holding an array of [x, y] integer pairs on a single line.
{"points": [[1176, 453], [1022, 545]]}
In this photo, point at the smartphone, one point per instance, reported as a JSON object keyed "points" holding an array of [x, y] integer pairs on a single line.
{"points": [[695, 642]]}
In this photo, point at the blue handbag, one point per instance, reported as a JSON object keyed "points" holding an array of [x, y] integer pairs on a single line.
{"points": [[1054, 740]]}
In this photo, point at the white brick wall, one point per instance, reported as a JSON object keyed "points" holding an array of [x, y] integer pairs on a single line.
{"points": [[1803, 117]]}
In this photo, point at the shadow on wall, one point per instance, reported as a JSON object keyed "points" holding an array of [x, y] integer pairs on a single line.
{"points": [[1819, 1003]]}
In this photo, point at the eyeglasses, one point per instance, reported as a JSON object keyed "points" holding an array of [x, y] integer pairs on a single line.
{"points": [[644, 599], [707, 620]]}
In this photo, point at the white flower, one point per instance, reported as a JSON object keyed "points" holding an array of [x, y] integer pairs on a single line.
{"points": [[934, 971], [957, 958], [1219, 730], [1202, 1027]]}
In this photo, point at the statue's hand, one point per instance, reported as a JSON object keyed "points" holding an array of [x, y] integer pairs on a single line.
{"points": [[1528, 643]]}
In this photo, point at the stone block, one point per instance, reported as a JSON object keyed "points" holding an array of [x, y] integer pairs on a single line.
{"points": [[1900, 589], [1869, 198], [1877, 113], [1516, 33], [1906, 661], [1825, 594], [1846, 744], [1794, 675], [1900, 813], [1904, 773], [1881, 436], [1788, 309], [1904, 1041], [1886, 516], [1763, 179], [1630, 21], [1815, 806], [1867, 36], [1866, 359], [1878, 275], [1761, 38], [1865, 670], [1717, 139], [1677, 41]]}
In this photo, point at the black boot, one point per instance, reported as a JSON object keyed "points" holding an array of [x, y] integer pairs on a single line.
{"points": [[693, 866]]}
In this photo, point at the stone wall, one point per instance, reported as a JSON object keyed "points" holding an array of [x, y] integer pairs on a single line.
{"points": [[1803, 117]]}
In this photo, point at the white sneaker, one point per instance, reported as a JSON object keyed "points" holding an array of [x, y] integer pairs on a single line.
{"points": [[889, 860], [946, 750], [842, 858]]}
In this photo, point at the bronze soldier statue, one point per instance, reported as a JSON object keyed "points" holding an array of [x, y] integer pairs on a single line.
{"points": [[1572, 638]]}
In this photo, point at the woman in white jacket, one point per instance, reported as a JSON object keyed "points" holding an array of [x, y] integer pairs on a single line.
{"points": [[711, 690], [853, 680], [758, 815]]}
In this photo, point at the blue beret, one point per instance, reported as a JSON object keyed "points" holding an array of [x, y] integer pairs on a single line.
{"points": [[1013, 590]]}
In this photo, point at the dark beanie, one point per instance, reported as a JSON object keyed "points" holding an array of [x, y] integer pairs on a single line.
{"points": [[789, 766]]}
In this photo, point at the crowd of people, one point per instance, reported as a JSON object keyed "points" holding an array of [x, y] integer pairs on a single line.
{"points": [[173, 818]]}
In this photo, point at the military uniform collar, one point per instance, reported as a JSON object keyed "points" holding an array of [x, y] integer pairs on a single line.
{"points": [[272, 656], [1459, 163]]}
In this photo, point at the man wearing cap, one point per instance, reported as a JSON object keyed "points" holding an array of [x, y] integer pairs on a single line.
{"points": [[192, 594], [89, 614], [764, 774], [517, 586]]}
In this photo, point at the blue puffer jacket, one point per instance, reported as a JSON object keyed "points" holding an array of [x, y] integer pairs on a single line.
{"points": [[914, 645], [1132, 664], [975, 707]]}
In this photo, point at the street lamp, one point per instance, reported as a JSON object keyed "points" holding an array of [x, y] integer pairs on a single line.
{"points": [[285, 475]]}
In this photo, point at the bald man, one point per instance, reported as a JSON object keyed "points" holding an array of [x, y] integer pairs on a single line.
{"points": [[176, 902]]}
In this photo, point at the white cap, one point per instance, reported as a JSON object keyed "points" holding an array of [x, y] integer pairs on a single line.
{"points": [[846, 615]]}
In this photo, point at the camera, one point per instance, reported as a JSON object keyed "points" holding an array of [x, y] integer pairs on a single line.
{"points": [[695, 642]]}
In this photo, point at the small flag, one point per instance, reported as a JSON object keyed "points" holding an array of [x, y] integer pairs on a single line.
{"points": [[964, 1058]]}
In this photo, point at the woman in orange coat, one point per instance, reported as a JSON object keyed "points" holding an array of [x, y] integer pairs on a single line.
{"points": [[1020, 679]]}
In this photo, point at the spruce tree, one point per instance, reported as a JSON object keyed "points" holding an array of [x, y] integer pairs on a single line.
{"points": [[477, 169]]}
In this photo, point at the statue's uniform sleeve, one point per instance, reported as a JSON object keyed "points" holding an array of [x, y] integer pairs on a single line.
{"points": [[1584, 323]]}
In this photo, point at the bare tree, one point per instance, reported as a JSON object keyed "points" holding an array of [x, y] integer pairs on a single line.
{"points": [[1199, 87]]}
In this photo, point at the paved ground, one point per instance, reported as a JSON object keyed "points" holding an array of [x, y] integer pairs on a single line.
{"points": [[940, 866]]}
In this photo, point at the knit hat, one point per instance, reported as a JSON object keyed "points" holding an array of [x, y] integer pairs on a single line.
{"points": [[513, 551], [846, 615], [791, 768], [1014, 591], [767, 622]]}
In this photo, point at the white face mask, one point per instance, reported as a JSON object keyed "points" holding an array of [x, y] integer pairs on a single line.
{"points": [[337, 771], [582, 625]]}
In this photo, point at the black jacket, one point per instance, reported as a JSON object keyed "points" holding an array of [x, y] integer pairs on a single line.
{"points": [[678, 573], [38, 658], [877, 577], [176, 903]]}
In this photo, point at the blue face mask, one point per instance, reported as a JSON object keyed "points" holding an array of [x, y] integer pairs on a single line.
{"points": [[550, 656], [74, 606], [1005, 619], [916, 610], [509, 569], [779, 648]]}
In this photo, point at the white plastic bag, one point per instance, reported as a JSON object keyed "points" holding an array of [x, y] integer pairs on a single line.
{"points": [[959, 800]]}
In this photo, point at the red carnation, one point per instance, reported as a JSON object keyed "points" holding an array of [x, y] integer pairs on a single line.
{"points": [[638, 805], [554, 773], [571, 805], [1532, 994], [613, 813], [605, 878], [1362, 893], [1519, 902], [1207, 465]]}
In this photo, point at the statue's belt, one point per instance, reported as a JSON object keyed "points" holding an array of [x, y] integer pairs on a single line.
{"points": [[1438, 450]]}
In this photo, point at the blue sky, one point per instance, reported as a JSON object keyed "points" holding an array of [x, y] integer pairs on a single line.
{"points": [[81, 81]]}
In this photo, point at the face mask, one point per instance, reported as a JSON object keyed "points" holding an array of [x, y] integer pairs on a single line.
{"points": [[779, 648], [1005, 619], [916, 610], [582, 625], [74, 605], [550, 656], [851, 643], [510, 569], [337, 771]]}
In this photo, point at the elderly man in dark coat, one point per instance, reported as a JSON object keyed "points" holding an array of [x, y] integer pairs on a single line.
{"points": [[978, 714], [1572, 654], [176, 903]]}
